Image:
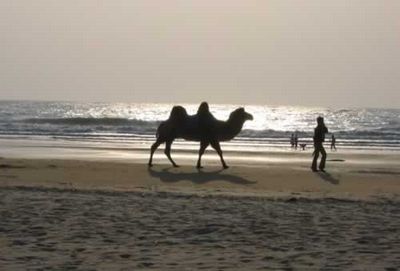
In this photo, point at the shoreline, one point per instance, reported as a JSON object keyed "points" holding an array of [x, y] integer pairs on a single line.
{"points": [[47, 148]]}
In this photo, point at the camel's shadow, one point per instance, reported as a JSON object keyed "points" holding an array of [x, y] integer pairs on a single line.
{"points": [[199, 177]]}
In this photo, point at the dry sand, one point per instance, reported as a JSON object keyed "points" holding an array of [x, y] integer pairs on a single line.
{"points": [[75, 230], [102, 215]]}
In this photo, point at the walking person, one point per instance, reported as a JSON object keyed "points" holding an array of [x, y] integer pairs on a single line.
{"points": [[319, 138], [333, 142]]}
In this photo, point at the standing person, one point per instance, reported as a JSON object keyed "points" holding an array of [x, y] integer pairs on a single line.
{"points": [[296, 141], [333, 142], [319, 138], [292, 141]]}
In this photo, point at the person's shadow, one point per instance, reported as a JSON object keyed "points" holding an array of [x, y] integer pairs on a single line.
{"points": [[328, 177], [199, 177]]}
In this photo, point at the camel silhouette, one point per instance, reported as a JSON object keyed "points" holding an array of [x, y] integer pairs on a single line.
{"points": [[202, 127]]}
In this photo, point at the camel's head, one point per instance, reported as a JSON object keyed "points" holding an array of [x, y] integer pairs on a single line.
{"points": [[241, 114]]}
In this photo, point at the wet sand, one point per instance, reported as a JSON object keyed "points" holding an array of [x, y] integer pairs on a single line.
{"points": [[343, 180], [257, 215]]}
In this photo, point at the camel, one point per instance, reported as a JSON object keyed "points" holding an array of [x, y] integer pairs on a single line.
{"points": [[203, 128]]}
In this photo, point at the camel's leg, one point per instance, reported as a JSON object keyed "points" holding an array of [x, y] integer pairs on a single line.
{"points": [[217, 147], [153, 149], [168, 152], [203, 147]]}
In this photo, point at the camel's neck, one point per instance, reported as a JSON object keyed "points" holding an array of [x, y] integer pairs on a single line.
{"points": [[233, 128]]}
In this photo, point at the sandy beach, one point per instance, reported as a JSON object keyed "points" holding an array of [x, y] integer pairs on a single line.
{"points": [[102, 214], [97, 96]]}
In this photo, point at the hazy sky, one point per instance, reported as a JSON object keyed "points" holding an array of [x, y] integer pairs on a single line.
{"points": [[336, 53]]}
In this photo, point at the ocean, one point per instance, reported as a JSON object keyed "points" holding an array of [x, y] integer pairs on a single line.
{"points": [[116, 123]]}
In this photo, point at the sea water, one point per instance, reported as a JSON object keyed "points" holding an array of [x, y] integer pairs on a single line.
{"points": [[115, 123]]}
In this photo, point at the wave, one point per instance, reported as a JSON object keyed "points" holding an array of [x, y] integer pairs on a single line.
{"points": [[91, 121], [124, 125]]}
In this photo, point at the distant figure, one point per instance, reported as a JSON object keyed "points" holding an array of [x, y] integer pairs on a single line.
{"points": [[292, 141], [319, 138], [296, 141], [303, 146], [333, 142]]}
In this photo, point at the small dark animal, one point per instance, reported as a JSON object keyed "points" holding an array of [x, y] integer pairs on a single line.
{"points": [[208, 131], [303, 146]]}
